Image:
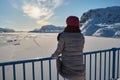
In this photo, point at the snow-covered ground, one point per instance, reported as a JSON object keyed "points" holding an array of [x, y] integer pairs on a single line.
{"points": [[20, 46], [17, 46]]}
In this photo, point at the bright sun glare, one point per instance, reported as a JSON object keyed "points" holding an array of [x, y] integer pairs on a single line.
{"points": [[35, 11]]}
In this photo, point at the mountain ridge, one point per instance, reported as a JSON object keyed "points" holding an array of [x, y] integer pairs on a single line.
{"points": [[6, 30], [101, 22], [49, 29]]}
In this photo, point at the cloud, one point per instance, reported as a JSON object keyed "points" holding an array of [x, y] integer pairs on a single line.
{"points": [[42, 22], [32, 11], [37, 12], [40, 10]]}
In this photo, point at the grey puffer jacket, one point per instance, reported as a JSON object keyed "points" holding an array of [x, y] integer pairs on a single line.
{"points": [[71, 46]]}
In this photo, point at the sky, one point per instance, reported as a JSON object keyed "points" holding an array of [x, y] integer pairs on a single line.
{"points": [[26, 15]]}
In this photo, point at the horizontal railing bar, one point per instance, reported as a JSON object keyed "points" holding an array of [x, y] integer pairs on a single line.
{"points": [[26, 61], [96, 52], [50, 58], [100, 51]]}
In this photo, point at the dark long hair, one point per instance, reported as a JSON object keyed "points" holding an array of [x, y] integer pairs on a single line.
{"points": [[69, 29], [72, 29]]}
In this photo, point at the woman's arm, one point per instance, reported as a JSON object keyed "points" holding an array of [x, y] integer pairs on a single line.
{"points": [[59, 49]]}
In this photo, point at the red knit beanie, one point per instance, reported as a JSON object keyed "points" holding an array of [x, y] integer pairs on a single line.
{"points": [[72, 21]]}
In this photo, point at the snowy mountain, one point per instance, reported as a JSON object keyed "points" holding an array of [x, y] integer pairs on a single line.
{"points": [[6, 30], [103, 22], [49, 29]]}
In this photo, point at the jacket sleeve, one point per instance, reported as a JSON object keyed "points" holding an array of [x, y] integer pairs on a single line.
{"points": [[60, 47]]}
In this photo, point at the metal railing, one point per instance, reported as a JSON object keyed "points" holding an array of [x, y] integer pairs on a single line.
{"points": [[99, 65], [102, 65]]}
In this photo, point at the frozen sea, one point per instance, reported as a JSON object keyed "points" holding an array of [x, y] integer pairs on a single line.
{"points": [[21, 46]]}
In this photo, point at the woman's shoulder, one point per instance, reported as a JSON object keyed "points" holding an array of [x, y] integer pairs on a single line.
{"points": [[58, 37], [69, 35]]}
